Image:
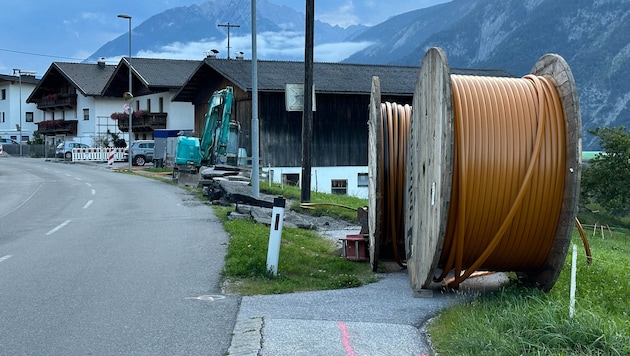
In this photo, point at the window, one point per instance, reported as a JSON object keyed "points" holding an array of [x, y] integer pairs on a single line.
{"points": [[4, 94], [339, 186], [291, 179], [86, 114], [149, 105], [362, 180], [137, 105], [28, 116], [161, 104], [3, 116]]}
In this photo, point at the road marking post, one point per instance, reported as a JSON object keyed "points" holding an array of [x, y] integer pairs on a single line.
{"points": [[110, 158], [275, 235]]}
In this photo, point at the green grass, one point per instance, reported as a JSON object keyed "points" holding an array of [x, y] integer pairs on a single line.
{"points": [[523, 321], [342, 206], [591, 215], [159, 170], [307, 261]]}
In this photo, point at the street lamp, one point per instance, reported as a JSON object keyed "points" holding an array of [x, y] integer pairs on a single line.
{"points": [[128, 17], [19, 72]]}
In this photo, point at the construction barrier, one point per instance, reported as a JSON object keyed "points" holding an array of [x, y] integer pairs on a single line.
{"points": [[101, 154]]}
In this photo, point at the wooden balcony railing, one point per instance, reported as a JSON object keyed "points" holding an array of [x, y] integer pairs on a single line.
{"points": [[57, 101], [147, 122], [55, 127]]}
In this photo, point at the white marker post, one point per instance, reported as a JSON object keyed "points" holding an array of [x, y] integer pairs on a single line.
{"points": [[573, 281], [275, 235]]}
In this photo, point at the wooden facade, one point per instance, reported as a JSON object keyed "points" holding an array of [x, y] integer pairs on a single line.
{"points": [[342, 95], [339, 127]]}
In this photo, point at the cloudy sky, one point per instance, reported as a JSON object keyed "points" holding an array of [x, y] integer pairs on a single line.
{"points": [[38, 32]]}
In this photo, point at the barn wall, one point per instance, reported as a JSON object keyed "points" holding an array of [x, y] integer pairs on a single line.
{"points": [[339, 131], [339, 128]]}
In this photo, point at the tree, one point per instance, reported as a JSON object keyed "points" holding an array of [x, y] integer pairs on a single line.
{"points": [[117, 140], [605, 180], [37, 139]]}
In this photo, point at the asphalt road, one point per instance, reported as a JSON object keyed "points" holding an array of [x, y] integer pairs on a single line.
{"points": [[94, 262]]}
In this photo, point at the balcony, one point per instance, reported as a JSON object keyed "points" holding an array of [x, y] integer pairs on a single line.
{"points": [[144, 122], [57, 102], [56, 127]]}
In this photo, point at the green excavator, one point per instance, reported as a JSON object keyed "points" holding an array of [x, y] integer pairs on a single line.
{"points": [[218, 144]]}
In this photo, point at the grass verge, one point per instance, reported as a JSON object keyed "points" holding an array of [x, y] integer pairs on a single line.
{"points": [[307, 261], [524, 321], [333, 205]]}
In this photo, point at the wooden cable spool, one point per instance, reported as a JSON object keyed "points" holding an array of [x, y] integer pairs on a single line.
{"points": [[388, 133], [445, 150]]}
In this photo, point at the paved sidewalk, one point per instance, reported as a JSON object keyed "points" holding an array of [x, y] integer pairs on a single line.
{"points": [[382, 318]]}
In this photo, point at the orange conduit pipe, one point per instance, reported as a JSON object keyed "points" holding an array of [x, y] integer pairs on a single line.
{"points": [[508, 175], [395, 121], [587, 247]]}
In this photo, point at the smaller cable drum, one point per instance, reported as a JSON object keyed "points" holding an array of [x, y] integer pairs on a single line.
{"points": [[388, 132], [492, 173]]}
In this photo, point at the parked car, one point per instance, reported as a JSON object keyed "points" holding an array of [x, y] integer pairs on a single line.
{"points": [[141, 152], [64, 149]]}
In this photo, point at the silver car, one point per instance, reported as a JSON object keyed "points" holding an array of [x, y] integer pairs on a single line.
{"points": [[64, 149], [141, 152]]}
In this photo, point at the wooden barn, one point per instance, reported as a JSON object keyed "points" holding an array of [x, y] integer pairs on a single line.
{"points": [[340, 131]]}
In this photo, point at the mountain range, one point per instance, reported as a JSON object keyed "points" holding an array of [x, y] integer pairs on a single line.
{"points": [[206, 24], [592, 35]]}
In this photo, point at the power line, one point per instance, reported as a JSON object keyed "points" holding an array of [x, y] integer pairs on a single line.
{"points": [[39, 54]]}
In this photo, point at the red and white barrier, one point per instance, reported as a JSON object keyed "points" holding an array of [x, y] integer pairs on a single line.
{"points": [[101, 154]]}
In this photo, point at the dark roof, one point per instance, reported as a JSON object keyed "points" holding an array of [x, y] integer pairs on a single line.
{"points": [[95, 79], [162, 73], [88, 79], [14, 78], [342, 78]]}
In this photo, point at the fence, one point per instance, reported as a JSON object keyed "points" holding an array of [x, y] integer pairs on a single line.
{"points": [[100, 154], [37, 151]]}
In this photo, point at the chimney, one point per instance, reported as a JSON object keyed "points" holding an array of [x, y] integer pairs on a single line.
{"points": [[101, 62], [212, 53], [240, 55]]}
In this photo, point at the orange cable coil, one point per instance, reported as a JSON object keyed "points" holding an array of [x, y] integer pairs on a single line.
{"points": [[508, 173]]}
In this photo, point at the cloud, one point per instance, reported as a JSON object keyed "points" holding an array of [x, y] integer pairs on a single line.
{"points": [[92, 16], [270, 45], [343, 16]]}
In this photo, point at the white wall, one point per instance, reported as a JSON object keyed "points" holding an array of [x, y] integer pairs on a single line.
{"points": [[11, 108], [321, 178], [180, 115]]}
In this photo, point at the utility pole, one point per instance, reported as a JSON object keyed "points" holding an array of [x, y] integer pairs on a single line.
{"points": [[228, 25], [128, 17], [307, 111], [255, 124], [19, 73]]}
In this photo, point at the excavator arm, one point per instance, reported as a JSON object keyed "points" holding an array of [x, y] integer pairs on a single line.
{"points": [[216, 133], [220, 134]]}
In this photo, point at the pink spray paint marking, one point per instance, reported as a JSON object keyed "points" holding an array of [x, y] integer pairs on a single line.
{"points": [[346, 339]]}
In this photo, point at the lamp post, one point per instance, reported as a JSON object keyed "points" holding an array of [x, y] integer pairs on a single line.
{"points": [[128, 17], [19, 72]]}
